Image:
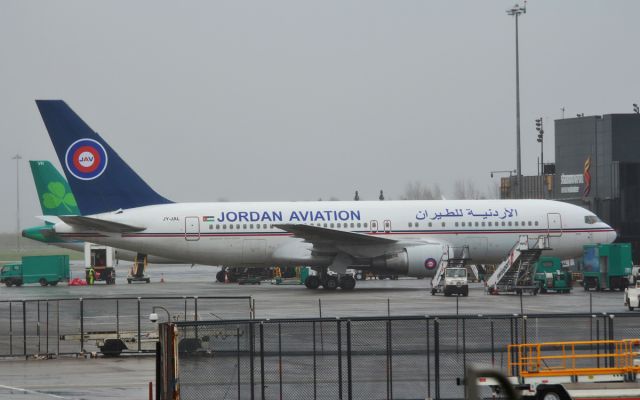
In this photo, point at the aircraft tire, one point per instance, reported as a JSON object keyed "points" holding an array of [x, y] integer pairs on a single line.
{"points": [[312, 282], [43, 282], [8, 283], [347, 282], [220, 276], [331, 283]]}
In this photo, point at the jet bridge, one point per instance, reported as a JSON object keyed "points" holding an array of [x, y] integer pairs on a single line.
{"points": [[515, 274]]}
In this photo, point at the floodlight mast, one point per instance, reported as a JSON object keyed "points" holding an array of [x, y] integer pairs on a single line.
{"points": [[516, 11]]}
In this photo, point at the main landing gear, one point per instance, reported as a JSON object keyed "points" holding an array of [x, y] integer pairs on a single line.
{"points": [[330, 282]]}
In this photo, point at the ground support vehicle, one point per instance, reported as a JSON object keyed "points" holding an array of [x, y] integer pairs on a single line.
{"points": [[101, 259], [600, 369], [632, 297], [45, 270], [451, 277], [136, 274], [634, 277], [552, 276], [607, 266]]}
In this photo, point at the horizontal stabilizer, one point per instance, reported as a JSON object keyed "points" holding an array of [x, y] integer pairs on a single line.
{"points": [[99, 224]]}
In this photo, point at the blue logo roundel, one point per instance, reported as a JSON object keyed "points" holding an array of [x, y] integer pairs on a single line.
{"points": [[86, 159], [430, 263]]}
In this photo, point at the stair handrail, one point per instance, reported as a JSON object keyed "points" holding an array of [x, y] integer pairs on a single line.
{"points": [[514, 254]]}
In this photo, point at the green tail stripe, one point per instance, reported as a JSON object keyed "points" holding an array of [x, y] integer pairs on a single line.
{"points": [[54, 192]]}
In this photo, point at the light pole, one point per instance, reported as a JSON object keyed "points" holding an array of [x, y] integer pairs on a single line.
{"points": [[540, 129], [516, 11], [17, 157]]}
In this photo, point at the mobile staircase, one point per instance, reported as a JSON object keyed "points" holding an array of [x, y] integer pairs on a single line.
{"points": [[452, 257], [516, 273]]}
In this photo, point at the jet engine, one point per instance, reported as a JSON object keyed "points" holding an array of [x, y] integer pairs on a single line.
{"points": [[416, 261]]}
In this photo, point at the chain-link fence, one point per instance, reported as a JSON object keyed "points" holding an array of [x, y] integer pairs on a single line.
{"points": [[109, 325], [362, 358]]}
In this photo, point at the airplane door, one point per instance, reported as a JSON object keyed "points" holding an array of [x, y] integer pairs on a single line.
{"points": [[387, 226], [192, 228], [554, 221], [374, 226]]}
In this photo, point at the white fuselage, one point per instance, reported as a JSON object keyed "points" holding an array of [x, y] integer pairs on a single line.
{"points": [[245, 234]]}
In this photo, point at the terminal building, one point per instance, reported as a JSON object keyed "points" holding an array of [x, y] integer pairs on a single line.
{"points": [[597, 167]]}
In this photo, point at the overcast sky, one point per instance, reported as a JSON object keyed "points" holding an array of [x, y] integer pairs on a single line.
{"points": [[300, 100]]}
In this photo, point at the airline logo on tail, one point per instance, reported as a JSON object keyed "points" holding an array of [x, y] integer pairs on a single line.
{"points": [[86, 159]]}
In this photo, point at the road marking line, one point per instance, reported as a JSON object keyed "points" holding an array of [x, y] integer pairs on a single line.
{"points": [[31, 391]]}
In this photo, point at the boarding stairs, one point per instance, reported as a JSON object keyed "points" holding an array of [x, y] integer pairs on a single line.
{"points": [[452, 257], [515, 274]]}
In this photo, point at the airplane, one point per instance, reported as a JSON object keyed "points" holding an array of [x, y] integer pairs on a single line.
{"points": [[56, 198], [402, 237]]}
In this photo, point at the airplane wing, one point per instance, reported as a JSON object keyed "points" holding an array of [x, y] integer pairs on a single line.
{"points": [[99, 224], [318, 235], [331, 242]]}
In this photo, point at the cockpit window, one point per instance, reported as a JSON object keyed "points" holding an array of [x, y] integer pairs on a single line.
{"points": [[591, 219]]}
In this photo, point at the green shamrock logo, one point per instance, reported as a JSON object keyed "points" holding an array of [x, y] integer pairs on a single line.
{"points": [[58, 195]]}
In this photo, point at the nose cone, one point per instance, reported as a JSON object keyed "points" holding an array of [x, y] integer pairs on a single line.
{"points": [[611, 236]]}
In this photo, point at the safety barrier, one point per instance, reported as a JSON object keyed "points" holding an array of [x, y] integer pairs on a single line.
{"points": [[360, 358], [52, 327]]}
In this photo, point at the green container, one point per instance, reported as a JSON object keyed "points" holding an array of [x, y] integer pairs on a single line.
{"points": [[551, 276], [606, 266], [45, 270]]}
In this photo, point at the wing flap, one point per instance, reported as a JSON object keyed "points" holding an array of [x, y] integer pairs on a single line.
{"points": [[319, 236]]}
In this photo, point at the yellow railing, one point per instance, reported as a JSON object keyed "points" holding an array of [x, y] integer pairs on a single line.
{"points": [[574, 358]]}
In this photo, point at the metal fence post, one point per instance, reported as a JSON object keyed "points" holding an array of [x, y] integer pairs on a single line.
{"points": [[81, 325], [598, 344], [139, 327], [436, 345], [58, 325], [428, 361], [611, 345], [24, 328], [38, 330], [117, 318], [47, 329], [493, 344], [339, 331], [349, 376], [252, 340], [10, 328], [280, 357], [315, 365], [262, 383], [238, 353]]}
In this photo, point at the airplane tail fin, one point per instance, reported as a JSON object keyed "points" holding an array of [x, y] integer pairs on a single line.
{"points": [[100, 180], [53, 189]]}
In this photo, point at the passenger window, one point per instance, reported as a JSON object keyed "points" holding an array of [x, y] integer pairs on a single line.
{"points": [[210, 226], [325, 224], [365, 224], [456, 224], [478, 224], [352, 225], [230, 226], [244, 226], [536, 223], [218, 227], [410, 224], [237, 226], [430, 224], [516, 223], [417, 225], [463, 224], [482, 223], [358, 224], [509, 223], [264, 226], [251, 226], [331, 225], [503, 224], [443, 224], [489, 223]]}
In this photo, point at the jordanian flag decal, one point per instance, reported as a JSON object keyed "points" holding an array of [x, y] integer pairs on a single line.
{"points": [[208, 218]]}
